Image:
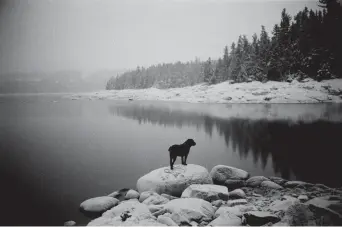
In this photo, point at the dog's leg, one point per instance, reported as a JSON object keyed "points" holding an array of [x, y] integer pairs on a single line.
{"points": [[185, 158]]}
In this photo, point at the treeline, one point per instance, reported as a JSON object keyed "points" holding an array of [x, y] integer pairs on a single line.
{"points": [[160, 76], [307, 45]]}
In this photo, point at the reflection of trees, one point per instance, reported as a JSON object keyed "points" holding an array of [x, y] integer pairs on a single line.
{"points": [[312, 151]]}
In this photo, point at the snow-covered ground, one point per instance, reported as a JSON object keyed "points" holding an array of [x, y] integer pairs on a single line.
{"points": [[308, 91]]}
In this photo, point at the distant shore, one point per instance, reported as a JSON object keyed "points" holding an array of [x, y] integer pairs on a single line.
{"points": [[307, 91]]}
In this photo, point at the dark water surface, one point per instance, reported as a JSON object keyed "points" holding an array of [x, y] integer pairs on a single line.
{"points": [[55, 153]]}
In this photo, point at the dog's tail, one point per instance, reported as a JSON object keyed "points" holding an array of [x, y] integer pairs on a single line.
{"points": [[170, 148]]}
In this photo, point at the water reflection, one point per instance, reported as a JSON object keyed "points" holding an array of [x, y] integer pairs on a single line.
{"points": [[311, 151]]}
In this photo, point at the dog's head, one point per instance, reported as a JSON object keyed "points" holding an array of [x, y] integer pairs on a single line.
{"points": [[190, 142]]}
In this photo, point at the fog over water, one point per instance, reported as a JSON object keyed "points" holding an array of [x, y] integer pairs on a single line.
{"points": [[90, 35]]}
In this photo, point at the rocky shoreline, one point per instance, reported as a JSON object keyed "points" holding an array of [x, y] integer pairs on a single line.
{"points": [[226, 196], [306, 91]]}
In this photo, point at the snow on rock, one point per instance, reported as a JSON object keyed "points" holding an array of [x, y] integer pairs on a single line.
{"points": [[284, 203], [193, 209], [166, 220], [127, 213], [132, 194], [278, 180], [144, 195], [173, 182], [253, 92], [208, 192], [238, 210], [270, 184], [94, 207], [69, 223], [292, 184], [226, 219], [221, 173], [155, 200], [237, 194], [256, 181]]}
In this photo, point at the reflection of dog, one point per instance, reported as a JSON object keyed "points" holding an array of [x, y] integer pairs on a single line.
{"points": [[181, 150]]}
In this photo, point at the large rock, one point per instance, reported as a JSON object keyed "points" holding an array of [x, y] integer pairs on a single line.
{"points": [[329, 207], [173, 182], [237, 194], [94, 207], [270, 184], [234, 184], [127, 213], [226, 219], [256, 181], [155, 200], [221, 173], [191, 208], [298, 214], [258, 218], [208, 192]]}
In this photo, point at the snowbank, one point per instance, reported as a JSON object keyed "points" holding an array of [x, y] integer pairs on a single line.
{"points": [[308, 91]]}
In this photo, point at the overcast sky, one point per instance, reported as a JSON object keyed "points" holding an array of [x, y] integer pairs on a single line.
{"points": [[89, 35]]}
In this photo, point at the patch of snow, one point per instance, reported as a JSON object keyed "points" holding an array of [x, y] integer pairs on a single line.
{"points": [[253, 92]]}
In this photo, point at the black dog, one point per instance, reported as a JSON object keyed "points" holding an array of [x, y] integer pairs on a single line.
{"points": [[181, 150]]}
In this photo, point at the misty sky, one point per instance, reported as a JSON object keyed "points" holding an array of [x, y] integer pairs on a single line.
{"points": [[89, 35]]}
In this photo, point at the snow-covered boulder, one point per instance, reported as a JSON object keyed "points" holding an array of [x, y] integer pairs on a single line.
{"points": [[192, 209], [132, 194], [173, 182], [270, 184], [221, 173], [237, 194], [208, 192], [256, 181], [127, 213], [94, 207]]}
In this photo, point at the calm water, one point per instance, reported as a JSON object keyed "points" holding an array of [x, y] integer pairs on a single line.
{"points": [[55, 153]]}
